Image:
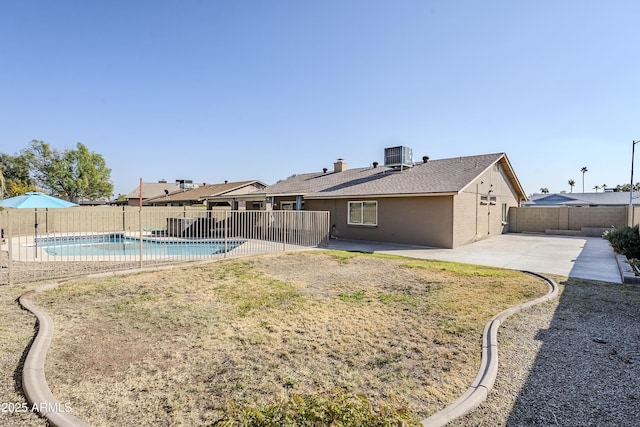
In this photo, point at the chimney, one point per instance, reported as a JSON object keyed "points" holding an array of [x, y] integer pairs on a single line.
{"points": [[340, 165], [425, 159], [375, 165]]}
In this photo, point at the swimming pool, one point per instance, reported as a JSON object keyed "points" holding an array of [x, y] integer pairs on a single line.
{"points": [[115, 244]]}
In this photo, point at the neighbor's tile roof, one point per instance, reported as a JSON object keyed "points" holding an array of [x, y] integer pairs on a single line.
{"points": [[202, 192], [435, 176]]}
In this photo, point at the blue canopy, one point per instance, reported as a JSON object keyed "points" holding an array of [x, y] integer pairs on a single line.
{"points": [[35, 199]]}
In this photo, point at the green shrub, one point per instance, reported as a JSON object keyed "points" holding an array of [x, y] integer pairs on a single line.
{"points": [[339, 409], [625, 241]]}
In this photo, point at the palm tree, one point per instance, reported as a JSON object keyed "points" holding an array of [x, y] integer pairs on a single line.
{"points": [[603, 186], [597, 187], [544, 190], [583, 170], [571, 184]]}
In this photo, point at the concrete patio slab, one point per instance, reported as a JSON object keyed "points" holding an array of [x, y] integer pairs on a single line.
{"points": [[581, 257]]}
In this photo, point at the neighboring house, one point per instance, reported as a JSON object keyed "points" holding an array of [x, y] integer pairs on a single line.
{"points": [[87, 202], [443, 203], [151, 190], [199, 195], [607, 198]]}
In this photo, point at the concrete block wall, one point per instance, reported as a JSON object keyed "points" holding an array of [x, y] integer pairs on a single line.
{"points": [[541, 219], [599, 216], [535, 220], [91, 219]]}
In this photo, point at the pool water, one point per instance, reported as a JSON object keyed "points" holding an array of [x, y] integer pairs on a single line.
{"points": [[115, 245]]}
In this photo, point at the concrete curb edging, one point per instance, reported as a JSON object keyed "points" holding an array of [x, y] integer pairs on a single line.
{"points": [[34, 382], [627, 275], [482, 384]]}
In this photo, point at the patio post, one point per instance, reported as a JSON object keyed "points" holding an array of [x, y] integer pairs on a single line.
{"points": [[226, 233], [284, 230]]}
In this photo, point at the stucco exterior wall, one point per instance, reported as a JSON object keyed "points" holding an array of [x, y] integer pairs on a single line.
{"points": [[426, 221]]}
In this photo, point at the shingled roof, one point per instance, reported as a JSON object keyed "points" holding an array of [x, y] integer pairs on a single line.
{"points": [[153, 189], [443, 176], [203, 192]]}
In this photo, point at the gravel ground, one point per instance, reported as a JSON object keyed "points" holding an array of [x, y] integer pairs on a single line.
{"points": [[574, 361]]}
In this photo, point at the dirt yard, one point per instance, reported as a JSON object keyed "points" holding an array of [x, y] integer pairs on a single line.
{"points": [[178, 347]]}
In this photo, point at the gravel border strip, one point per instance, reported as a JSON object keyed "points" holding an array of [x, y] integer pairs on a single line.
{"points": [[482, 384]]}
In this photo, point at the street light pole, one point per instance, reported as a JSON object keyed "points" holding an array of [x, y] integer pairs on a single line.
{"points": [[633, 150]]}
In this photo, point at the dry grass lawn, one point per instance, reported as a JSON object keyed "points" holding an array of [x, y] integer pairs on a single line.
{"points": [[181, 347], [16, 332]]}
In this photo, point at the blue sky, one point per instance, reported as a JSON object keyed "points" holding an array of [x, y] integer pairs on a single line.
{"points": [[235, 90]]}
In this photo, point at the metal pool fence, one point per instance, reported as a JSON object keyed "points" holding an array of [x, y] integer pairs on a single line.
{"points": [[42, 244]]}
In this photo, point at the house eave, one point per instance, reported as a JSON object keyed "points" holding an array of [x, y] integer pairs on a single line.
{"points": [[378, 196], [286, 195]]}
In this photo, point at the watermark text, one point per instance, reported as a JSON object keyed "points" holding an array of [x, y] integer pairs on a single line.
{"points": [[41, 407]]}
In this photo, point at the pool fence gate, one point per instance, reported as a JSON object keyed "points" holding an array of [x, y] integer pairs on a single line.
{"points": [[44, 244]]}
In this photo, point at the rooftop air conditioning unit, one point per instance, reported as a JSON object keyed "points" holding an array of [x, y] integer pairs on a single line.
{"points": [[398, 157]]}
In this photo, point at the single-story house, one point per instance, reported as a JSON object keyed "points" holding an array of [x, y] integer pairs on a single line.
{"points": [[200, 194], [151, 190], [606, 198], [442, 203]]}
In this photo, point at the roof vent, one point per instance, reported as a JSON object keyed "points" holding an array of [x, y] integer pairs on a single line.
{"points": [[398, 157]]}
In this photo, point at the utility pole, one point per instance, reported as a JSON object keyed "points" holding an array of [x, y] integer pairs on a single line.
{"points": [[633, 152]]}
